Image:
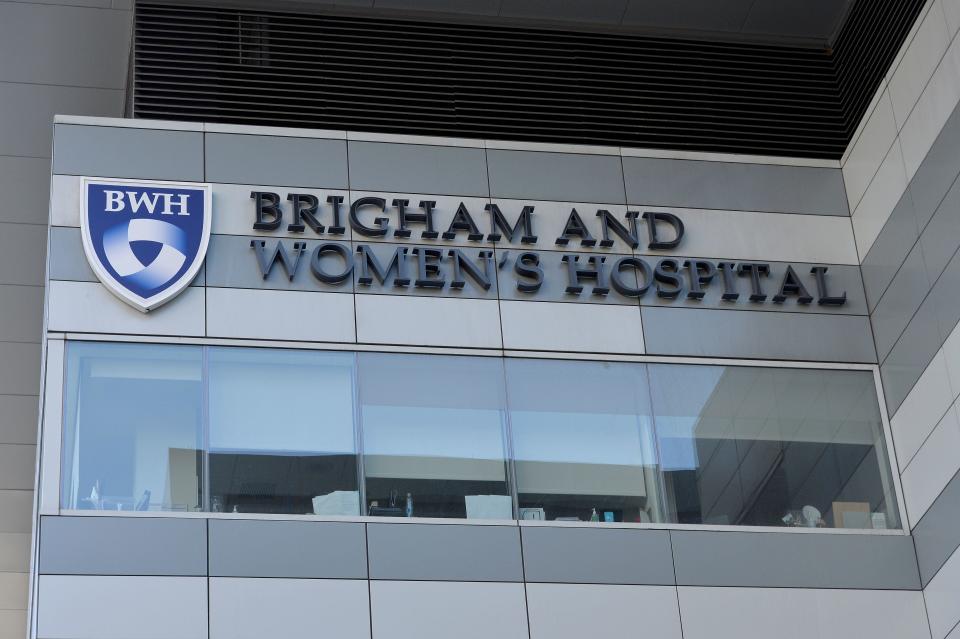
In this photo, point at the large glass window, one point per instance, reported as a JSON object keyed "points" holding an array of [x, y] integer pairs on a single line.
{"points": [[433, 436], [772, 447], [583, 441], [282, 432], [134, 427], [297, 432]]}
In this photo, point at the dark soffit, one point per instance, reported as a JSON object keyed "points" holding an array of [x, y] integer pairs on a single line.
{"points": [[391, 75]]}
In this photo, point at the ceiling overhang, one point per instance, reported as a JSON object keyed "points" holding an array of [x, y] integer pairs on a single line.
{"points": [[800, 23], [346, 66]]}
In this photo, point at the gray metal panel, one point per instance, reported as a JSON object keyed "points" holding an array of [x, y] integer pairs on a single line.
{"points": [[597, 556], [15, 553], [786, 560], [414, 168], [890, 249], [152, 154], [941, 238], [743, 187], [17, 466], [19, 368], [25, 184], [928, 329], [17, 509], [911, 355], [123, 546], [279, 161], [23, 248], [560, 177], [841, 278], [295, 549], [68, 261], [898, 305], [232, 263], [944, 299], [28, 110], [64, 45], [384, 252], [555, 281], [18, 419], [21, 313], [937, 534], [755, 334], [444, 552], [938, 170]]}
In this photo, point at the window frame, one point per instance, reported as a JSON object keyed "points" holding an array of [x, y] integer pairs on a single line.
{"points": [[53, 398]]}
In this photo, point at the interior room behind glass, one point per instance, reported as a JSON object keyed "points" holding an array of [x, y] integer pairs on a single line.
{"points": [[583, 441], [433, 436], [772, 447], [134, 438], [309, 432], [282, 432]]}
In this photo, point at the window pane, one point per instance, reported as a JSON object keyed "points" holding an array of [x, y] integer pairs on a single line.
{"points": [[433, 434], [601, 441], [133, 419], [282, 432], [772, 447], [583, 440]]}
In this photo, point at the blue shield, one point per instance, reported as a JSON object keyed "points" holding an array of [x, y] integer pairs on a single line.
{"points": [[146, 241]]}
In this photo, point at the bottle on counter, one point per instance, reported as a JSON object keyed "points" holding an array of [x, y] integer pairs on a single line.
{"points": [[594, 516], [408, 511]]}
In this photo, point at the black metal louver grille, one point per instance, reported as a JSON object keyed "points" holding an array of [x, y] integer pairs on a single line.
{"points": [[392, 76]]}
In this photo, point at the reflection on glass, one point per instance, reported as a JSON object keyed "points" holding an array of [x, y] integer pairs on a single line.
{"points": [[582, 441], [282, 432], [772, 447], [133, 424], [433, 436], [249, 430]]}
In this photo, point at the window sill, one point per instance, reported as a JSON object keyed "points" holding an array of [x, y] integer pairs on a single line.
{"points": [[485, 522]]}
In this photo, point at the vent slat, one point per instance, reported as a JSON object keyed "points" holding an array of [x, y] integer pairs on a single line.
{"points": [[387, 75]]}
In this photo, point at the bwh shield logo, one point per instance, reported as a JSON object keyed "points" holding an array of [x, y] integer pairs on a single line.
{"points": [[145, 241]]}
